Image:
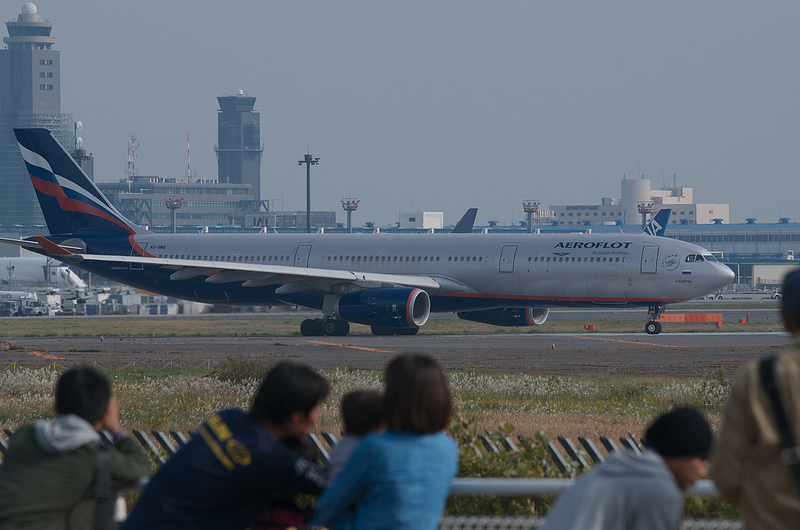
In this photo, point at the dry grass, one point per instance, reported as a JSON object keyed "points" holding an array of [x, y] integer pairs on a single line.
{"points": [[573, 406]]}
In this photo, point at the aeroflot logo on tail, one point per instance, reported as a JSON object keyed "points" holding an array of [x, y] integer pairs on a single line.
{"points": [[593, 244]]}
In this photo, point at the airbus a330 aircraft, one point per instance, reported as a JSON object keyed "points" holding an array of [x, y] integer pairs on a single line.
{"points": [[391, 282]]}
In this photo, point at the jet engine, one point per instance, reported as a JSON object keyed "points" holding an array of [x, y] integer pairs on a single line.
{"points": [[385, 307], [527, 316]]}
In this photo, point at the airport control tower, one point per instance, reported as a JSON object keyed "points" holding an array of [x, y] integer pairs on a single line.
{"points": [[30, 96], [239, 135]]}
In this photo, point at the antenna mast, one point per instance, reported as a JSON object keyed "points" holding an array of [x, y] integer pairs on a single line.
{"points": [[188, 160], [130, 168]]}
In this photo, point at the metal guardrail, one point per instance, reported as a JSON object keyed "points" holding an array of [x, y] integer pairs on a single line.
{"points": [[542, 486], [474, 486]]}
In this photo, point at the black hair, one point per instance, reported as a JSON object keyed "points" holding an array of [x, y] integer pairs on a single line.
{"points": [[790, 301], [361, 411], [83, 391], [288, 388]]}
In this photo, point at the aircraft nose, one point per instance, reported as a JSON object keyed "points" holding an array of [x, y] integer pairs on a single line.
{"points": [[724, 274]]}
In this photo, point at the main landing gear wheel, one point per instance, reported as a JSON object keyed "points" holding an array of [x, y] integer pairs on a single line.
{"points": [[653, 327], [324, 328]]}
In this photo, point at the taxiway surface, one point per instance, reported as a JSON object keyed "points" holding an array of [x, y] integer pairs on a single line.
{"points": [[628, 353]]}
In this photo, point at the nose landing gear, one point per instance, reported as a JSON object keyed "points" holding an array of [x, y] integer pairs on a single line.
{"points": [[653, 327]]}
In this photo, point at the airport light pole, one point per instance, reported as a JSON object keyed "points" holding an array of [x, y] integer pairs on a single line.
{"points": [[645, 208], [173, 204], [309, 161], [530, 208], [350, 205]]}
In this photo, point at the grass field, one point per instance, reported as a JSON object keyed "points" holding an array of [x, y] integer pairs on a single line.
{"points": [[588, 405], [180, 398]]}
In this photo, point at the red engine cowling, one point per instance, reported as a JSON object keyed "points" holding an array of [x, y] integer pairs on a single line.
{"points": [[387, 307]]}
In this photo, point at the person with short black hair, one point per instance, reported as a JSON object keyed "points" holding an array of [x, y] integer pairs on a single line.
{"points": [[751, 463], [239, 461], [48, 477], [361, 413], [398, 479], [644, 491]]}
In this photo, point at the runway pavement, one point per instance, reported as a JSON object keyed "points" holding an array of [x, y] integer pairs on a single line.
{"points": [[634, 353]]}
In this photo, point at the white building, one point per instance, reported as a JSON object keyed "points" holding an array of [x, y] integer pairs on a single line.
{"points": [[424, 220], [635, 192]]}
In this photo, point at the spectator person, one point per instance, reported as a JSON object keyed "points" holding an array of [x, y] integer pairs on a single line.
{"points": [[398, 479], [361, 413], [283, 509], [48, 477], [639, 491], [239, 461], [750, 464]]}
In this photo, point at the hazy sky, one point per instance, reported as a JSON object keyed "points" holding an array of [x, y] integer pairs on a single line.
{"points": [[446, 105]]}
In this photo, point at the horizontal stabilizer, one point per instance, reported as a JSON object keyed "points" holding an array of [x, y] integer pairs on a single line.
{"points": [[51, 248]]}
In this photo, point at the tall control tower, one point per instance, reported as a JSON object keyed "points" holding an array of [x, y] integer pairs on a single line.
{"points": [[30, 96], [239, 135]]}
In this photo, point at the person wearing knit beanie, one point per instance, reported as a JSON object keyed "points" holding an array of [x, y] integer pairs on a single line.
{"points": [[683, 438], [680, 432], [639, 491]]}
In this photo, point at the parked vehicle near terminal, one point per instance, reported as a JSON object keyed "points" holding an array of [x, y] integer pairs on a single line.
{"points": [[9, 308], [36, 309]]}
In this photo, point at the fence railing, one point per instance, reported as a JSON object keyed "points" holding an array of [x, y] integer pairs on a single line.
{"points": [[160, 446], [166, 444]]}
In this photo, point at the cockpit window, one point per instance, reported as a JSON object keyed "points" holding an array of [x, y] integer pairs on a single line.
{"points": [[699, 258], [709, 257], [690, 258]]}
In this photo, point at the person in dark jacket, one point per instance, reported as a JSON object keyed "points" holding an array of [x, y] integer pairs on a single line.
{"points": [[47, 480], [239, 461]]}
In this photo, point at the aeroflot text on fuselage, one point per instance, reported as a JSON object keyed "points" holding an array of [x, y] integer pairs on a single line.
{"points": [[593, 244]]}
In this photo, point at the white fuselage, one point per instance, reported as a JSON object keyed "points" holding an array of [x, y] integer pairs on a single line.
{"points": [[485, 270]]}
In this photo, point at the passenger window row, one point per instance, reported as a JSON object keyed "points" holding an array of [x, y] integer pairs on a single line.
{"points": [[382, 259], [262, 259], [578, 259]]}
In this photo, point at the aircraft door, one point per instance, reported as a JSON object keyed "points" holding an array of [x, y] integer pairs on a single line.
{"points": [[649, 259], [134, 253], [507, 258], [301, 256]]}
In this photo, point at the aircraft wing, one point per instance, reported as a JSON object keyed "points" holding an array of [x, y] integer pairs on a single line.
{"points": [[294, 279]]}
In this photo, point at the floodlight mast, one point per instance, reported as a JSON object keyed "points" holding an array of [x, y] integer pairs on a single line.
{"points": [[645, 208], [173, 203], [530, 207], [309, 161], [349, 205]]}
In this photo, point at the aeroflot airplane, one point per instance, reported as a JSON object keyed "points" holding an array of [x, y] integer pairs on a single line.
{"points": [[391, 282]]}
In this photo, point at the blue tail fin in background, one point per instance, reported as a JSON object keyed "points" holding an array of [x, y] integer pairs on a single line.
{"points": [[658, 224], [464, 226], [70, 202]]}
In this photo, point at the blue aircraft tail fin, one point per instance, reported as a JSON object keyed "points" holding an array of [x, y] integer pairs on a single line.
{"points": [[70, 201], [658, 224], [464, 226]]}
